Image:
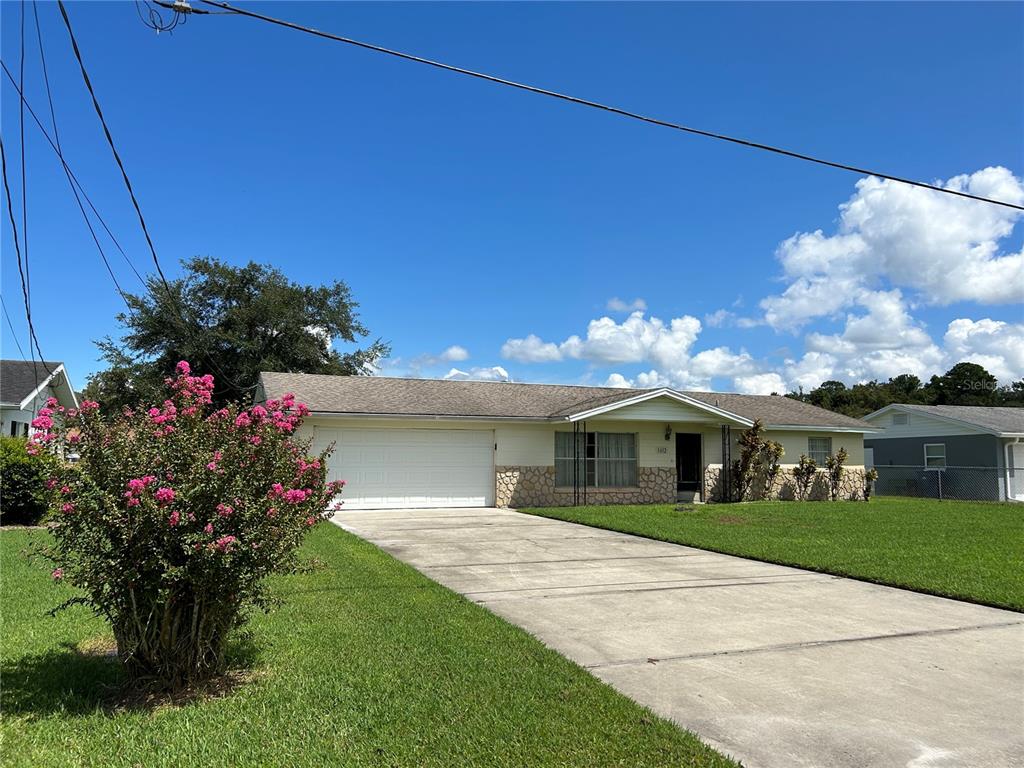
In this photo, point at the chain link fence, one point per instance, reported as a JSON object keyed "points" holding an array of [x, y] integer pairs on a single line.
{"points": [[951, 483]]}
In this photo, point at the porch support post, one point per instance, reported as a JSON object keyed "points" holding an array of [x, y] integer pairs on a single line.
{"points": [[726, 463]]}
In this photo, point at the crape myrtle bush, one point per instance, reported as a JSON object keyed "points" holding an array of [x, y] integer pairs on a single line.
{"points": [[174, 516]]}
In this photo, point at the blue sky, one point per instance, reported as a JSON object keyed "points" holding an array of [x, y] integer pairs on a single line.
{"points": [[468, 215]]}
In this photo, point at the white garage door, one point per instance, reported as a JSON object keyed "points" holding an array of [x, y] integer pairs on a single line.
{"points": [[410, 468]]}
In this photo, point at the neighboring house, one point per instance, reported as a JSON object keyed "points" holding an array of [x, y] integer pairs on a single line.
{"points": [[980, 450], [403, 443], [24, 389]]}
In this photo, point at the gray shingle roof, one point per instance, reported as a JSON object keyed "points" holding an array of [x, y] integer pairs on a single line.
{"points": [[19, 378], [434, 397], [995, 418]]}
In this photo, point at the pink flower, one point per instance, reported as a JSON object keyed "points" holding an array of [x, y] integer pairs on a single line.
{"points": [[272, 512], [224, 510], [65, 489], [174, 519], [44, 411], [67, 507], [51, 402], [258, 411], [74, 438], [51, 483], [243, 420], [276, 490], [208, 528], [42, 422], [310, 520], [88, 405], [183, 368], [255, 439], [58, 574], [133, 502], [164, 495], [295, 495], [212, 466], [224, 543]]}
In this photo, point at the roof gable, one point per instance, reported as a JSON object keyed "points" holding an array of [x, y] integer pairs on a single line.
{"points": [[995, 420], [20, 379]]}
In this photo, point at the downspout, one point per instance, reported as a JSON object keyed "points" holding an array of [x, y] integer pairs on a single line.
{"points": [[1006, 467]]}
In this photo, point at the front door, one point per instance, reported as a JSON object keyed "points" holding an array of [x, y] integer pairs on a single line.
{"points": [[687, 462]]}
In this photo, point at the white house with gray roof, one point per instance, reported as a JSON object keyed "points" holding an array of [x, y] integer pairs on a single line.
{"points": [[408, 443], [24, 388], [979, 449]]}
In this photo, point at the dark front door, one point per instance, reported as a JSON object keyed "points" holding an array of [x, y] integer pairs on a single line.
{"points": [[687, 462]]}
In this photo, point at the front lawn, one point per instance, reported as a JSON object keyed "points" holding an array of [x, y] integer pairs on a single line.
{"points": [[967, 550], [366, 662]]}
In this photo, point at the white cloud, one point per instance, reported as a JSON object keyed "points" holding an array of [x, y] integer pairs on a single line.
{"points": [[454, 354], [494, 373], [760, 384], [616, 304], [994, 344], [618, 381], [636, 339], [531, 350], [940, 247]]}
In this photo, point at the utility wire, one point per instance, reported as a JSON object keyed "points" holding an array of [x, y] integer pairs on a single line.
{"points": [[10, 325], [60, 154], [135, 202], [593, 104], [68, 170], [33, 338]]}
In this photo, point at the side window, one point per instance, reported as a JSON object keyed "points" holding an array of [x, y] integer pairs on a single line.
{"points": [[935, 455], [819, 449]]}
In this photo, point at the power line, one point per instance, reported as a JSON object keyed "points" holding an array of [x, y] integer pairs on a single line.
{"points": [[33, 338], [135, 202], [593, 104], [68, 170], [60, 154], [10, 325]]}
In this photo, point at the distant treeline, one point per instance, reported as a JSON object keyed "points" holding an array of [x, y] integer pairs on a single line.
{"points": [[963, 384]]}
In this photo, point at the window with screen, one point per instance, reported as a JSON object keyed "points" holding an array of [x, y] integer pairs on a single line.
{"points": [[819, 449], [605, 459]]}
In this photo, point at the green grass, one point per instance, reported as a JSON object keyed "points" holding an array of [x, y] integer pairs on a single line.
{"points": [[967, 550], [367, 662]]}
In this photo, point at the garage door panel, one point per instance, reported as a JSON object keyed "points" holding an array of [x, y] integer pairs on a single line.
{"points": [[397, 468]]}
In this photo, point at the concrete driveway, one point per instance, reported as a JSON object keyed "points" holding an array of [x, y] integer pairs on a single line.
{"points": [[775, 666]]}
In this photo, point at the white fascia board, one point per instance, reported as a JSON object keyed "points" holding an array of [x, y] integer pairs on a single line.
{"points": [[817, 428], [42, 385], [426, 417], [664, 392]]}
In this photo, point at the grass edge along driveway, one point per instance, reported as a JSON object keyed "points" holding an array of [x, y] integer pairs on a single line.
{"points": [[970, 551], [366, 662]]}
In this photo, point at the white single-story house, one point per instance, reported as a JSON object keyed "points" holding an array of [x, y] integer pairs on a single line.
{"points": [[979, 449], [24, 389], [409, 443]]}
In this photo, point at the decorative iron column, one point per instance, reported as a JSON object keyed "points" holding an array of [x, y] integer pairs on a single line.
{"points": [[726, 463]]}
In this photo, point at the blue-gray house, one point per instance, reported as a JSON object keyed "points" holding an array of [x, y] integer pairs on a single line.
{"points": [[952, 451]]}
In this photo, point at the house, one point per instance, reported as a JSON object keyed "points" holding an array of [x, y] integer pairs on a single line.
{"points": [[24, 389], [975, 452], [407, 443]]}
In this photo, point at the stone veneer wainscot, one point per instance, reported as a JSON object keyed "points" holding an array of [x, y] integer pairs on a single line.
{"points": [[535, 487]]}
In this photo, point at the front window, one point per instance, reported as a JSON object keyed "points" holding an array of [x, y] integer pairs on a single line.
{"points": [[819, 449], [606, 459], [935, 456]]}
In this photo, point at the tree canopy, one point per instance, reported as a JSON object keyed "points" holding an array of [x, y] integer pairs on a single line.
{"points": [[963, 384], [231, 322]]}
